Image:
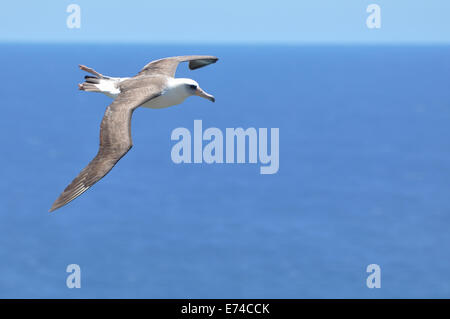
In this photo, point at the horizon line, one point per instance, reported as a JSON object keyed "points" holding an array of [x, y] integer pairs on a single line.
{"points": [[235, 43]]}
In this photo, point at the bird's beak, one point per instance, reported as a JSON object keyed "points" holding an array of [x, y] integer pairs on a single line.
{"points": [[205, 95]]}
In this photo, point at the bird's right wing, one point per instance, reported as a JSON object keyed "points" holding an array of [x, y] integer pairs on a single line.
{"points": [[115, 142], [168, 66]]}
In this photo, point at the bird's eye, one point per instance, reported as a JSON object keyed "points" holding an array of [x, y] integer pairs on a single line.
{"points": [[193, 86]]}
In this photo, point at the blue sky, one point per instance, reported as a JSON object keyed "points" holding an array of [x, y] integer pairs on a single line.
{"points": [[230, 21]]}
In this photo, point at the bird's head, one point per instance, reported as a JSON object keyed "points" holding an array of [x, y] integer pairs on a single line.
{"points": [[193, 88]]}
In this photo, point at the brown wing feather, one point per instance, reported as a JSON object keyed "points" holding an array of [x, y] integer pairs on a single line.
{"points": [[168, 66], [115, 142]]}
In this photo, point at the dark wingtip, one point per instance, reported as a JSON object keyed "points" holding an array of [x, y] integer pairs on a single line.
{"points": [[56, 205], [193, 65]]}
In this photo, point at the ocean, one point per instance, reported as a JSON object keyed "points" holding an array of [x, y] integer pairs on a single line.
{"points": [[364, 176]]}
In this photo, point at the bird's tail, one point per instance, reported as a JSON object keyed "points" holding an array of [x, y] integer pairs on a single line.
{"points": [[91, 83], [99, 82]]}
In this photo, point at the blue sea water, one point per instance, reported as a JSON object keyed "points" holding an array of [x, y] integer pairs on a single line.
{"points": [[364, 177]]}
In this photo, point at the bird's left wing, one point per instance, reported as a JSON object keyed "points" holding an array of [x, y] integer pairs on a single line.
{"points": [[115, 142], [168, 66]]}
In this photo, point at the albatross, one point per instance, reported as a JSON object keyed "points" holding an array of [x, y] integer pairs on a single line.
{"points": [[155, 86]]}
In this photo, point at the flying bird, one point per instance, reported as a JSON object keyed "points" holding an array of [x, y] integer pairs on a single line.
{"points": [[155, 86]]}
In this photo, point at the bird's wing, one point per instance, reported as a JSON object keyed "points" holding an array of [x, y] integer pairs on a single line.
{"points": [[115, 142], [168, 66]]}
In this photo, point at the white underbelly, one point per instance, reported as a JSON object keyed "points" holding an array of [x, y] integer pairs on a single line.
{"points": [[165, 100]]}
